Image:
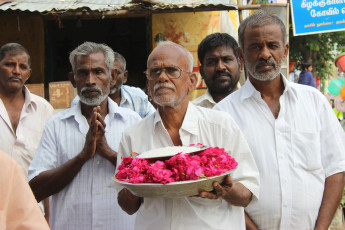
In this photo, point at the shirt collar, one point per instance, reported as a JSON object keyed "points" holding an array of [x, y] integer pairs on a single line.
{"points": [[114, 109], [289, 89], [124, 96], [208, 97], [188, 123], [249, 90], [28, 100]]}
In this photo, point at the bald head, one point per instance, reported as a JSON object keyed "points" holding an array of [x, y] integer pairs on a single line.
{"points": [[170, 76], [177, 50]]}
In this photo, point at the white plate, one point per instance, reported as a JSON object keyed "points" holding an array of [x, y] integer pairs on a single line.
{"points": [[174, 189], [170, 151]]}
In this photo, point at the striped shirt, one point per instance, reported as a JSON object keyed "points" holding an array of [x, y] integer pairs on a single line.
{"points": [[89, 202], [135, 99]]}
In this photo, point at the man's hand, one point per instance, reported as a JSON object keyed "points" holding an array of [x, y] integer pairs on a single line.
{"points": [[235, 194], [220, 190], [52, 181], [129, 202], [96, 137], [105, 151], [95, 133]]}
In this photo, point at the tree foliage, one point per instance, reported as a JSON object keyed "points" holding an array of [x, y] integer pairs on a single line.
{"points": [[317, 48]]}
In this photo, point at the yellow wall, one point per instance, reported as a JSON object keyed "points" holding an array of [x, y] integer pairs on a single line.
{"points": [[27, 31], [188, 30]]}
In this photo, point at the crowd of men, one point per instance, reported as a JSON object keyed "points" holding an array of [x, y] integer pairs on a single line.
{"points": [[290, 166]]}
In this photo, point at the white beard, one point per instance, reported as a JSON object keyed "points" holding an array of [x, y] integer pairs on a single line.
{"points": [[92, 101]]}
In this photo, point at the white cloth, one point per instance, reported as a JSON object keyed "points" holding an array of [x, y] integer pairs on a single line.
{"points": [[226, 25], [294, 153], [22, 145], [89, 202], [208, 127], [205, 100]]}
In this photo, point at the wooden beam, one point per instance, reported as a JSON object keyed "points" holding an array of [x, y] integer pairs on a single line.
{"points": [[249, 7]]}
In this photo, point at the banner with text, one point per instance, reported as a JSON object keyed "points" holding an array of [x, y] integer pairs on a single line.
{"points": [[313, 16]]}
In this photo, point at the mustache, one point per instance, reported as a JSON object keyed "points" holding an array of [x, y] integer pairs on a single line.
{"points": [[264, 61], [221, 73], [164, 84], [16, 76], [90, 88]]}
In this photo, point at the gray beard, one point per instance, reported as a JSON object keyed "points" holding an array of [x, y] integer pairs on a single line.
{"points": [[92, 101], [266, 76], [114, 90], [161, 101]]}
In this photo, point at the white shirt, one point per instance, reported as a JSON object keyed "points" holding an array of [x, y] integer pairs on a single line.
{"points": [[22, 145], [205, 100], [89, 202], [208, 127], [295, 153]]}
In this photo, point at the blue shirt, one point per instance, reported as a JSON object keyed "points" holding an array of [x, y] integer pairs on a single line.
{"points": [[306, 78], [89, 201], [135, 99]]}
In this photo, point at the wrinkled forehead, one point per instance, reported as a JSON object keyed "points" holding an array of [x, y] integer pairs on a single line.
{"points": [[264, 30], [17, 54], [168, 56], [91, 60]]}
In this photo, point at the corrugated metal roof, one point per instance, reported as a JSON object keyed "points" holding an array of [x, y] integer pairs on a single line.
{"points": [[163, 4], [64, 5], [44, 6]]}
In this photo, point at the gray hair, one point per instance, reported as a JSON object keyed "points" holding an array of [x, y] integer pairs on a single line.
{"points": [[170, 43], [260, 18], [88, 48], [14, 49], [120, 59]]}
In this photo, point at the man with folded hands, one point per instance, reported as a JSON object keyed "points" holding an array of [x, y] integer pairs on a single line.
{"points": [[77, 155], [177, 122]]}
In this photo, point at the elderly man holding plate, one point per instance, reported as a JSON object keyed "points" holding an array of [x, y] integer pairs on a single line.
{"points": [[177, 122]]}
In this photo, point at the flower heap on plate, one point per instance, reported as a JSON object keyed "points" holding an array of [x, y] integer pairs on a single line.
{"points": [[212, 161]]}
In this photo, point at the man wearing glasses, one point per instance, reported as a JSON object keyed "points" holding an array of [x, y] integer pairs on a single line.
{"points": [[177, 122]]}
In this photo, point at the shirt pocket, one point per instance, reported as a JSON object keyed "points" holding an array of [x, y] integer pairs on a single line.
{"points": [[32, 141], [306, 150]]}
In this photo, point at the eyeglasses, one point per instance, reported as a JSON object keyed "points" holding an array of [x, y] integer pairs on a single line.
{"points": [[173, 72]]}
